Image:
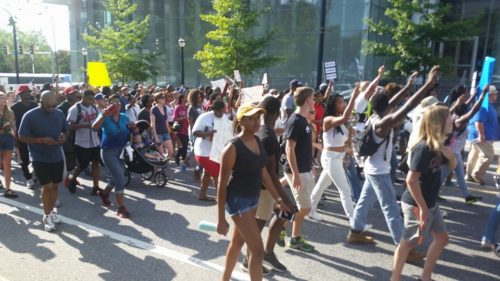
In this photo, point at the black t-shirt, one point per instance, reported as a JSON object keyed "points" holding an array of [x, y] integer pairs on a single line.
{"points": [[428, 163], [20, 109], [144, 115], [298, 129], [270, 144], [64, 107]]}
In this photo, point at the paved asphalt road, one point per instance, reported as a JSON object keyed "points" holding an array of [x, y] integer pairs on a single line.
{"points": [[161, 240]]}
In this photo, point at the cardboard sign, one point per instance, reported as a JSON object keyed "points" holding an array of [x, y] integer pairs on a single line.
{"points": [[224, 134], [264, 79], [252, 94], [98, 74], [330, 70], [237, 76], [221, 83]]}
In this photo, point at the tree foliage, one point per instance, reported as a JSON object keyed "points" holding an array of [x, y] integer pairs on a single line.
{"points": [[42, 58], [119, 44], [414, 30], [231, 45]]}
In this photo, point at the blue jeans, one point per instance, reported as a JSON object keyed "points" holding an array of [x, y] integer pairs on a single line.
{"points": [[459, 174], [353, 177], [394, 164], [115, 166], [492, 224], [379, 187]]}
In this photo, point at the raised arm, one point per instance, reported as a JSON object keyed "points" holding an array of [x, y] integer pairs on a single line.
{"points": [[370, 90], [329, 90], [334, 121], [384, 126], [464, 119], [401, 94]]}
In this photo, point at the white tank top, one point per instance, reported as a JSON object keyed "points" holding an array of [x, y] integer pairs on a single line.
{"points": [[380, 162], [333, 138]]}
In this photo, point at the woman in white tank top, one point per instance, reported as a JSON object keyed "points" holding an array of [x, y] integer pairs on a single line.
{"points": [[335, 136]]}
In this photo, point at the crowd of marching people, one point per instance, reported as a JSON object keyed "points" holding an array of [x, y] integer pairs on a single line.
{"points": [[295, 142]]}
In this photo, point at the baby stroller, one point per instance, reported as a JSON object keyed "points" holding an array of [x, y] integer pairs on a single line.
{"points": [[145, 160]]}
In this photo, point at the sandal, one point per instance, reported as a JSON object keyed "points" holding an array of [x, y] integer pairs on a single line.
{"points": [[206, 198], [10, 194]]}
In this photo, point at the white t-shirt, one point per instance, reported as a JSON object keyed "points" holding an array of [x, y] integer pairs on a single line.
{"points": [[204, 122], [170, 113], [133, 112], [84, 137], [375, 164]]}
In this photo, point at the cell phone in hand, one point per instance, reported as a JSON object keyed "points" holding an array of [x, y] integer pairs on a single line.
{"points": [[288, 216]]}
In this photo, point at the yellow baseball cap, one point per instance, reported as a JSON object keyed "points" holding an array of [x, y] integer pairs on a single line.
{"points": [[248, 110]]}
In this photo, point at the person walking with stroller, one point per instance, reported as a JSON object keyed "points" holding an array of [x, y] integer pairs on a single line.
{"points": [[115, 135]]}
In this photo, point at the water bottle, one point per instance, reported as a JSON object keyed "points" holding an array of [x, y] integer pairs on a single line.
{"points": [[207, 226]]}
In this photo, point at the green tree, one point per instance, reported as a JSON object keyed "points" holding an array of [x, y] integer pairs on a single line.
{"points": [[410, 37], [231, 45], [41, 59], [119, 44], [63, 61]]}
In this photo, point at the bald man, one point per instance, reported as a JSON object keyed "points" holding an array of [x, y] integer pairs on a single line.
{"points": [[43, 129]]}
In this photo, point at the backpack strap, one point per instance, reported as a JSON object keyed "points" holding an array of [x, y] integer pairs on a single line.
{"points": [[78, 112]]}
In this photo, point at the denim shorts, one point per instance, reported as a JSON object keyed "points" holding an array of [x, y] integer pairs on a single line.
{"points": [[164, 137], [237, 205], [6, 142]]}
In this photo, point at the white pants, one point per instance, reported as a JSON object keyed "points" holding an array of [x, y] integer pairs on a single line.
{"points": [[333, 171]]}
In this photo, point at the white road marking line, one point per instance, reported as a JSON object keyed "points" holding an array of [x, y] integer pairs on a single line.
{"points": [[178, 256]]}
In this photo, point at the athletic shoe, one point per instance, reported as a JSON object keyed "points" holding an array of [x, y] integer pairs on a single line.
{"points": [[55, 218], [1, 185], [315, 216], [299, 243], [244, 267], [497, 250], [281, 239], [444, 214], [30, 184], [487, 245], [95, 191], [271, 261], [48, 223], [359, 238], [105, 199], [471, 199], [72, 186], [123, 212]]}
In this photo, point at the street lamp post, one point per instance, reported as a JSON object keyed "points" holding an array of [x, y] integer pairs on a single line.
{"points": [[182, 44], [85, 53], [14, 34]]}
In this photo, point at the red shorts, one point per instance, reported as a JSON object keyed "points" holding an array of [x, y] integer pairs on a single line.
{"points": [[211, 167]]}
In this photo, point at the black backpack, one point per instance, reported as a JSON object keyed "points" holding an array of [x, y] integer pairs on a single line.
{"points": [[366, 144]]}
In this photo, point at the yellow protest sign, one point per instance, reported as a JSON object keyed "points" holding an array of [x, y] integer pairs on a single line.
{"points": [[98, 74]]}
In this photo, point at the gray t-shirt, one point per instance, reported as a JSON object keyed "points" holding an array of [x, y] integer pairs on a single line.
{"points": [[84, 137]]}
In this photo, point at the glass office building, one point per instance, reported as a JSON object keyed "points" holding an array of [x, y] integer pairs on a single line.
{"points": [[296, 24]]}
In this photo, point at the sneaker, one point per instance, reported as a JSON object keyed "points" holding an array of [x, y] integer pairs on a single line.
{"points": [[271, 261], [55, 218], [281, 239], [105, 199], [30, 183], [244, 267], [299, 243], [95, 191], [48, 223], [497, 181], [315, 216], [487, 245], [359, 238], [415, 256], [497, 249], [123, 212], [471, 199], [444, 214], [72, 186]]}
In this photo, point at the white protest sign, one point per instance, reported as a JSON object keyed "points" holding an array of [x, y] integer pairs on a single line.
{"points": [[221, 83], [252, 94], [330, 70], [224, 134], [237, 76]]}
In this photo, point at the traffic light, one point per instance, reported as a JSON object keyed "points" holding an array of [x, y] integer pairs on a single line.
{"points": [[5, 50], [20, 49], [32, 49]]}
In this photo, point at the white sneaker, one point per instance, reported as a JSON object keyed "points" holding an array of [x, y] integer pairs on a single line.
{"points": [[55, 218], [313, 215], [30, 183], [367, 227], [487, 245], [444, 214], [48, 223]]}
